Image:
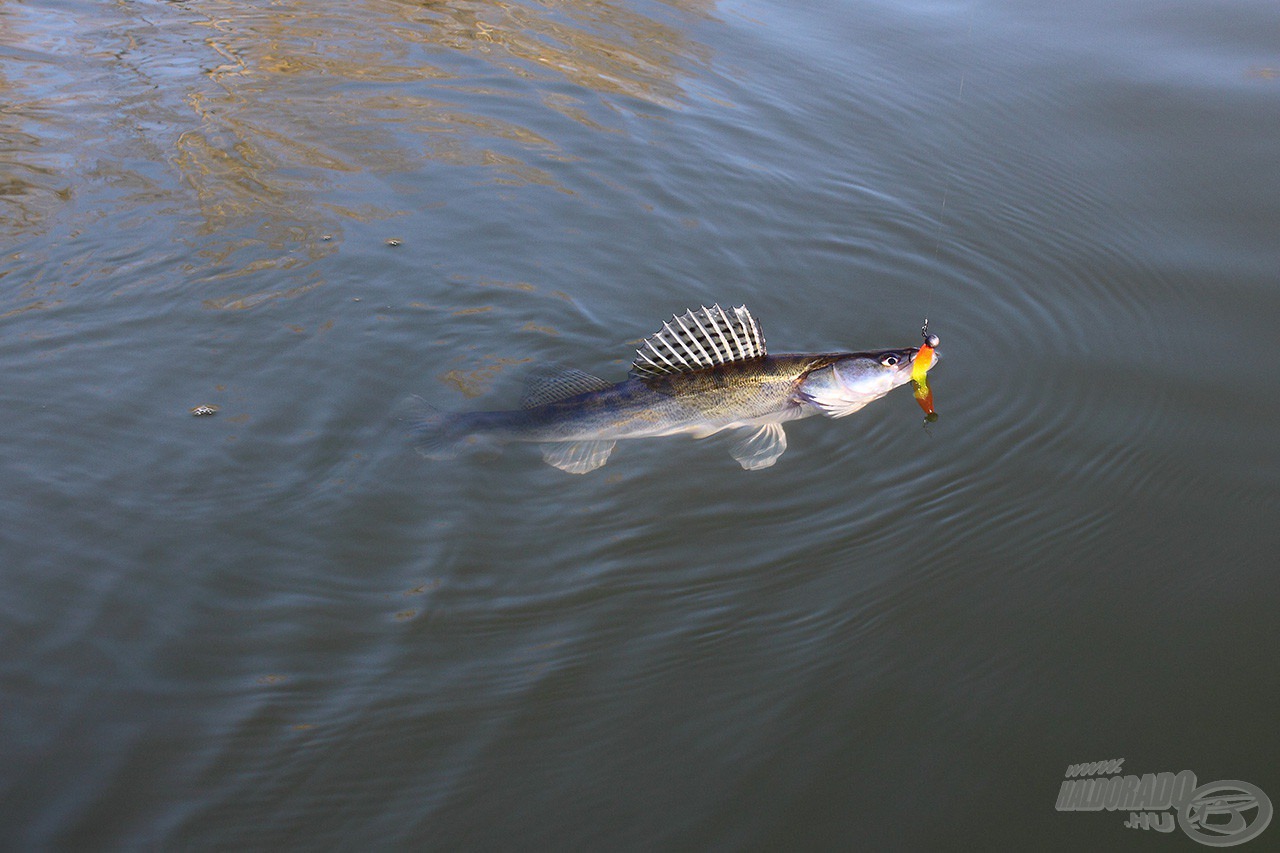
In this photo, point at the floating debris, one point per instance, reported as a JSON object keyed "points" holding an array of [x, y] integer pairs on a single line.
{"points": [[393, 242], [204, 410]]}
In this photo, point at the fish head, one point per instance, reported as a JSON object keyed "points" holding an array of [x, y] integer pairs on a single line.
{"points": [[850, 381]]}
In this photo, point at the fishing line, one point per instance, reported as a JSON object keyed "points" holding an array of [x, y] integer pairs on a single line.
{"points": [[946, 179], [923, 395]]}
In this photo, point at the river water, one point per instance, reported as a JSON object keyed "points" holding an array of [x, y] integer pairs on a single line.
{"points": [[278, 627]]}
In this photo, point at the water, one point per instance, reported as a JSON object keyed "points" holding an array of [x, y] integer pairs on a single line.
{"points": [[277, 627]]}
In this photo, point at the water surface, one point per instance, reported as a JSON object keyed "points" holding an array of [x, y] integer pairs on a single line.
{"points": [[279, 627]]}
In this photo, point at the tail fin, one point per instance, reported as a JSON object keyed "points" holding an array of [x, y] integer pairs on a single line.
{"points": [[430, 429]]}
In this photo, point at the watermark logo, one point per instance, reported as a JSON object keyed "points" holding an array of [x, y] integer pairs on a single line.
{"points": [[1219, 814]]}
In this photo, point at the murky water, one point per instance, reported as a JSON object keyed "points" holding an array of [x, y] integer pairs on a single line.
{"points": [[278, 627]]}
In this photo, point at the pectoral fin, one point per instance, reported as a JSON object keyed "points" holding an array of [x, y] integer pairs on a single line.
{"points": [[759, 447], [577, 457]]}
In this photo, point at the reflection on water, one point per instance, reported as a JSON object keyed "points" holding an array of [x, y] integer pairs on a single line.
{"points": [[265, 123], [30, 180], [599, 46]]}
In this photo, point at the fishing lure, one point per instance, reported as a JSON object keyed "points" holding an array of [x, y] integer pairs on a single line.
{"points": [[924, 360]]}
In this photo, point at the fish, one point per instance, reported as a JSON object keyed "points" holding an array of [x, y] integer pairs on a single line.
{"points": [[704, 372]]}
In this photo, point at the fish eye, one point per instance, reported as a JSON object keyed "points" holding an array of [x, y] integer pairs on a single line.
{"points": [[889, 360]]}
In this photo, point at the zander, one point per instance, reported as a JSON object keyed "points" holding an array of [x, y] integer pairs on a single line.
{"points": [[701, 373]]}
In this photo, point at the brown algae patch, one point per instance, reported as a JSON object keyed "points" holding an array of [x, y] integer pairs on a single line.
{"points": [[473, 383]]}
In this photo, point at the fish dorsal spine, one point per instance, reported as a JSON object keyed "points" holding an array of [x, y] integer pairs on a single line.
{"points": [[700, 339]]}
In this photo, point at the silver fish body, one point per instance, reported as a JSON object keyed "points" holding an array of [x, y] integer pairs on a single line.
{"points": [[703, 384]]}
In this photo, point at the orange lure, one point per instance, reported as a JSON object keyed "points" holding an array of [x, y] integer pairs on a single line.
{"points": [[919, 369]]}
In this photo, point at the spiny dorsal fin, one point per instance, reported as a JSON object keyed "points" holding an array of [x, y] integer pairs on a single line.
{"points": [[556, 384], [698, 340]]}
